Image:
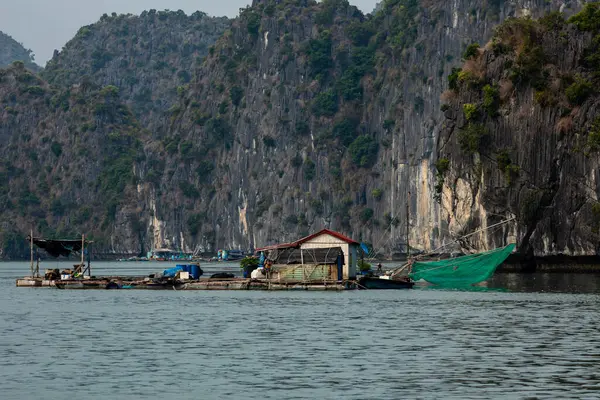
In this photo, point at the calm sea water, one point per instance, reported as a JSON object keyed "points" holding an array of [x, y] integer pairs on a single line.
{"points": [[525, 336]]}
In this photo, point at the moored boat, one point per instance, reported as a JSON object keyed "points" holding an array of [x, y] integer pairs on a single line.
{"points": [[168, 255], [377, 282]]}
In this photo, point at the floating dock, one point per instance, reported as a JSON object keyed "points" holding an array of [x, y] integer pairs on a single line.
{"points": [[39, 282], [256, 284], [35, 282], [127, 283], [205, 284]]}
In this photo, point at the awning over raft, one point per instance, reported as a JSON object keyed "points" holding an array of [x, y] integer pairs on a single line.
{"points": [[60, 247]]}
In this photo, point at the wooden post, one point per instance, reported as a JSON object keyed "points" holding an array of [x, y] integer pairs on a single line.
{"points": [[302, 262], [408, 164], [82, 248], [394, 173], [31, 250], [407, 226], [89, 262]]}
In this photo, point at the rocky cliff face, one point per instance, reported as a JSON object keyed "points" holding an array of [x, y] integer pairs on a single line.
{"points": [[334, 118], [304, 115], [67, 159], [72, 139], [521, 137], [11, 50]]}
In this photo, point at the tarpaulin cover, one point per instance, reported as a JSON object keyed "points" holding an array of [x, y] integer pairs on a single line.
{"points": [[58, 247]]}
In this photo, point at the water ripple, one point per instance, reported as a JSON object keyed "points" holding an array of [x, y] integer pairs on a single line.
{"points": [[426, 344]]}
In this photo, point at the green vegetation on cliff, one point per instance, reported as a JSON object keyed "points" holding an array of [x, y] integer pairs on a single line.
{"points": [[90, 141], [533, 151], [150, 57]]}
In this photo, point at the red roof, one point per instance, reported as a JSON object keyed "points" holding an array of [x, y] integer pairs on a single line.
{"points": [[298, 242]]}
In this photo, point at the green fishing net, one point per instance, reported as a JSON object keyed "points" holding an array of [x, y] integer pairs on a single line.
{"points": [[465, 270]]}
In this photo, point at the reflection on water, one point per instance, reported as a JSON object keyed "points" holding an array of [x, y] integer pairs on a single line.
{"points": [[458, 288], [537, 339], [547, 282], [532, 282]]}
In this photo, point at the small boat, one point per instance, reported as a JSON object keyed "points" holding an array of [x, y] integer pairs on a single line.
{"points": [[377, 282], [230, 255], [133, 259], [161, 285], [168, 255]]}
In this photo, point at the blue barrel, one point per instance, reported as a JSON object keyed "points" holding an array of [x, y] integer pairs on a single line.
{"points": [[185, 267], [171, 272], [195, 271]]}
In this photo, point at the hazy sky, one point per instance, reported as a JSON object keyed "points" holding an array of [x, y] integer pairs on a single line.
{"points": [[45, 25]]}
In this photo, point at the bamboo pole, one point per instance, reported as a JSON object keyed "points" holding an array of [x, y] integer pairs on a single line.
{"points": [[31, 250], [82, 247], [89, 261], [403, 267], [408, 224], [473, 233]]}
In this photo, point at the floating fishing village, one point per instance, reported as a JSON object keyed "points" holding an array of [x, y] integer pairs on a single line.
{"points": [[299, 199], [326, 260], [198, 133]]}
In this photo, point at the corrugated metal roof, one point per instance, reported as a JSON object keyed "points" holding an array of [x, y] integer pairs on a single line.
{"points": [[307, 238]]}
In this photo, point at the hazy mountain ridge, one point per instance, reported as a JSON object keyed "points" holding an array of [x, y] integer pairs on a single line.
{"points": [[11, 50]]}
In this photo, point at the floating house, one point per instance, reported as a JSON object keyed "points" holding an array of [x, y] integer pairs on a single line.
{"points": [[323, 256], [230, 255], [168, 255]]}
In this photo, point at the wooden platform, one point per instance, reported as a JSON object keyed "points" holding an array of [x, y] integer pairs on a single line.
{"points": [[252, 284], [35, 282], [116, 283], [41, 282]]}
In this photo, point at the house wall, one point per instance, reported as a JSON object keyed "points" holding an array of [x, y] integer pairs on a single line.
{"points": [[307, 272], [354, 261], [325, 240]]}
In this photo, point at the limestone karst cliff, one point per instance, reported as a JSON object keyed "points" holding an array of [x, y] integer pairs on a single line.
{"points": [[148, 57], [302, 115], [521, 136]]}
